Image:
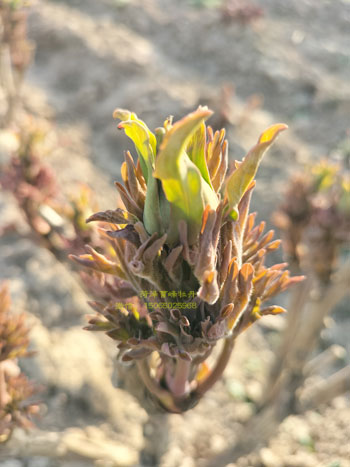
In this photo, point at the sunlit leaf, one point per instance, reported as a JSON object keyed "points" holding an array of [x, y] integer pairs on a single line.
{"points": [[183, 185], [143, 139], [154, 215], [196, 151], [241, 178]]}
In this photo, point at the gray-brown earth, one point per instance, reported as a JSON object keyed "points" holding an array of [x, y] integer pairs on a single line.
{"points": [[161, 57]]}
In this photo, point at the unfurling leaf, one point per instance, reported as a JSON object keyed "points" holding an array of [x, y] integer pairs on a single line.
{"points": [[143, 139], [244, 174], [196, 151], [182, 182], [156, 212]]}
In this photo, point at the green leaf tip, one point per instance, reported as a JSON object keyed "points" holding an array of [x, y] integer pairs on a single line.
{"points": [[144, 140], [240, 180]]}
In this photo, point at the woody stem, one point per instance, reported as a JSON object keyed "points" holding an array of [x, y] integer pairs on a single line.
{"points": [[218, 370], [153, 387]]}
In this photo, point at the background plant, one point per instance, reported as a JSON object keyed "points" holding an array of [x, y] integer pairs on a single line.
{"points": [[56, 222], [314, 220], [16, 390]]}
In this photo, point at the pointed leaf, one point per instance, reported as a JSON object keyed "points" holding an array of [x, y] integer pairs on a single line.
{"points": [[156, 209], [144, 140], [241, 178], [117, 216], [196, 151]]}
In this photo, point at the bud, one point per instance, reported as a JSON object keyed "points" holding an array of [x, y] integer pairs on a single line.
{"points": [[186, 251]]}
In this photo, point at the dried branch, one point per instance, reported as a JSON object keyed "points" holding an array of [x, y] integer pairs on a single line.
{"points": [[325, 359], [326, 391]]}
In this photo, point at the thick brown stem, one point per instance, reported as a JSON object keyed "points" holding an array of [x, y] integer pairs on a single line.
{"points": [[179, 383], [217, 371], [153, 387], [156, 438], [155, 428]]}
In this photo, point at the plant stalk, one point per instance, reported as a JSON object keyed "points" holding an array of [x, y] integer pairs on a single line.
{"points": [[179, 383], [218, 370]]}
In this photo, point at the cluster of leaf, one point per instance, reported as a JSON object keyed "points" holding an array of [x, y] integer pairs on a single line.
{"points": [[186, 227], [315, 217], [15, 388], [58, 224]]}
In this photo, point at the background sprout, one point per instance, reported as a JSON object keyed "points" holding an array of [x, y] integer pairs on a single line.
{"points": [[315, 218], [15, 389]]}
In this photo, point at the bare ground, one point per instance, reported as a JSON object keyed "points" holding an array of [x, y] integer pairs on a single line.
{"points": [[159, 58]]}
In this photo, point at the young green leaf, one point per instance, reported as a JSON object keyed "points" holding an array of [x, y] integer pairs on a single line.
{"points": [[196, 151], [241, 178], [183, 185], [143, 139], [146, 146]]}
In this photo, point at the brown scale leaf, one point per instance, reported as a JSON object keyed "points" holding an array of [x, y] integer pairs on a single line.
{"points": [[172, 264], [218, 180], [243, 211], [140, 229], [140, 176], [184, 241], [209, 290], [98, 262], [250, 224], [129, 203], [207, 250], [128, 233], [230, 287], [137, 192], [152, 251], [225, 260], [118, 216], [245, 277]]}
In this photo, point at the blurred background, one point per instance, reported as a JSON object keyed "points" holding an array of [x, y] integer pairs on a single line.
{"points": [[254, 63]]}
